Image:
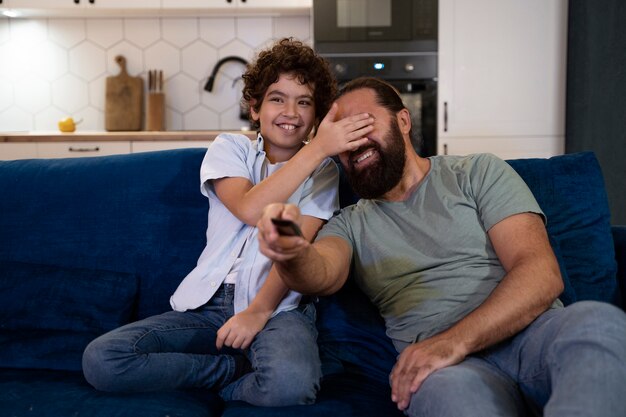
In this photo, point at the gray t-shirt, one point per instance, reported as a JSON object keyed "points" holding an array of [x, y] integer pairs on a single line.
{"points": [[427, 262]]}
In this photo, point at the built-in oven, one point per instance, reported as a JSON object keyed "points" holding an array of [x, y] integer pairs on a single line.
{"points": [[415, 78], [395, 40], [375, 25]]}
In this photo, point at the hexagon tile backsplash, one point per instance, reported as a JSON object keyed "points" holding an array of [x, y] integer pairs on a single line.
{"points": [[55, 68]]}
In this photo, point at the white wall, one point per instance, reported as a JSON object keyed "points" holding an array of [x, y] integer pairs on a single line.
{"points": [[55, 68]]}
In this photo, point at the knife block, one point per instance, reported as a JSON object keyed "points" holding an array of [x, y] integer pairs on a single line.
{"points": [[155, 113]]}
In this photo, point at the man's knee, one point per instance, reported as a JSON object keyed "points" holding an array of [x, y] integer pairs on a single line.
{"points": [[594, 321], [472, 388]]}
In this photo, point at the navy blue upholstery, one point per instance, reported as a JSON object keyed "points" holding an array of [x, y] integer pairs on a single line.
{"points": [[88, 244]]}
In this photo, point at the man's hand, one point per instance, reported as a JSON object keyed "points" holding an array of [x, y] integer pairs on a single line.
{"points": [[276, 247], [239, 331], [418, 361]]}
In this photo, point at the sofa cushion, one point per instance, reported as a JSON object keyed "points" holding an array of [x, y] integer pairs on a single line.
{"points": [[570, 190], [48, 313], [352, 336], [345, 395]]}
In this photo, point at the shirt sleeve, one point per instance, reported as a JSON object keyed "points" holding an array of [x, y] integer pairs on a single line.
{"points": [[499, 191], [320, 196], [226, 157]]}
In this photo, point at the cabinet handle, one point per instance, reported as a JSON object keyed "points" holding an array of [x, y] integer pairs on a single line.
{"points": [[72, 149], [445, 148], [92, 1], [76, 1], [445, 116]]}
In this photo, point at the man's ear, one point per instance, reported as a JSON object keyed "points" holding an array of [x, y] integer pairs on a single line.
{"points": [[404, 121]]}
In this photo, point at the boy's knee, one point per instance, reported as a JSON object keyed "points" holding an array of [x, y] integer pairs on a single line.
{"points": [[296, 385], [97, 369]]}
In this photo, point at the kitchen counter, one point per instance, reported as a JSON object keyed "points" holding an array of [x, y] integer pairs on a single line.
{"points": [[55, 136]]}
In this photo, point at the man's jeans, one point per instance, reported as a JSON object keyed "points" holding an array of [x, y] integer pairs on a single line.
{"points": [[569, 362], [177, 350]]}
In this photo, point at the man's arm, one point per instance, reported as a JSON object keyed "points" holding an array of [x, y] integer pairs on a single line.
{"points": [[531, 285], [320, 268]]}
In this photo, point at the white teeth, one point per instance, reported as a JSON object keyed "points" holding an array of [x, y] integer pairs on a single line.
{"points": [[364, 156], [287, 127]]}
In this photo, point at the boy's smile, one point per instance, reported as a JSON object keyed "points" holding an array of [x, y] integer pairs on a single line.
{"points": [[286, 117]]}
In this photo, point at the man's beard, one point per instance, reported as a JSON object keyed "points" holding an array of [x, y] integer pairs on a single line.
{"points": [[381, 176]]}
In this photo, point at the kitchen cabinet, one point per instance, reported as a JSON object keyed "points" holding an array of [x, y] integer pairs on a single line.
{"points": [[24, 145], [69, 8], [109, 8], [501, 77], [238, 6]]}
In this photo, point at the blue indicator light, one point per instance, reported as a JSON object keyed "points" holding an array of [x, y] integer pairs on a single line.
{"points": [[379, 65]]}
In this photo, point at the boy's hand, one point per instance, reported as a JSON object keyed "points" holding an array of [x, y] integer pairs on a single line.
{"points": [[271, 244], [239, 331], [348, 134]]}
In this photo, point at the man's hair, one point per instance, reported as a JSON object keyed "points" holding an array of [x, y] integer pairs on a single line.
{"points": [[289, 56], [386, 95]]}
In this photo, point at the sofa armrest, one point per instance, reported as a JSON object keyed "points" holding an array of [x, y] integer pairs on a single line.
{"points": [[619, 238]]}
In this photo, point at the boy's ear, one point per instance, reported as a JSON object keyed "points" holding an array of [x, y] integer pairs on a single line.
{"points": [[253, 113]]}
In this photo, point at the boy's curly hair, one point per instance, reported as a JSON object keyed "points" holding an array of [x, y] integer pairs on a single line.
{"points": [[289, 56]]}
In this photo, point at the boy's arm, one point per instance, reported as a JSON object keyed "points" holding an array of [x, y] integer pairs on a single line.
{"points": [[246, 201], [239, 331]]}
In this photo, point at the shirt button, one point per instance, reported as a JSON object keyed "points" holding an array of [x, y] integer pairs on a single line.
{"points": [[213, 284]]}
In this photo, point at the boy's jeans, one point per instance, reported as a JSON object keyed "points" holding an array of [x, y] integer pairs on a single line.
{"points": [[569, 362], [177, 350]]}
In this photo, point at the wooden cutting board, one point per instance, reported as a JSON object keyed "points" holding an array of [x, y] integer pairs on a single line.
{"points": [[124, 100]]}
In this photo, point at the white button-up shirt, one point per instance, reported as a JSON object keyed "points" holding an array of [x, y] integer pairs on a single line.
{"points": [[234, 155]]}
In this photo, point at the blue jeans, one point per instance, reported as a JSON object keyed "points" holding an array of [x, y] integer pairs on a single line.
{"points": [[177, 350], [568, 362]]}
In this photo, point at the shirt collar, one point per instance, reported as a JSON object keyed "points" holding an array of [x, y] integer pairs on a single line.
{"points": [[260, 143]]}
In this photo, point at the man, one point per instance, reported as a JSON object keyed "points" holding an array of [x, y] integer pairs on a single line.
{"points": [[454, 253]]}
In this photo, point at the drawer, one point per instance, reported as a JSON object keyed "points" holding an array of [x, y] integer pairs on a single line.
{"points": [[9, 151], [80, 149]]}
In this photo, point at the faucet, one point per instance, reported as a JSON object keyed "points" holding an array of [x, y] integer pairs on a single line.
{"points": [[209, 84]]}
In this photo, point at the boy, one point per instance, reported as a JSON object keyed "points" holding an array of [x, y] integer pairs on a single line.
{"points": [[236, 327]]}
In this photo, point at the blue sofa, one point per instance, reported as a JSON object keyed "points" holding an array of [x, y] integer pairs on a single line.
{"points": [[89, 244]]}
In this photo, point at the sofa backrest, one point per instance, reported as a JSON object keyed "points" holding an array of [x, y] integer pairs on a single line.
{"points": [[89, 244]]}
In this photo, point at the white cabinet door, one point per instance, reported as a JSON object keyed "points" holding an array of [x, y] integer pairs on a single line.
{"points": [[502, 67], [87, 8], [26, 150], [198, 4], [123, 4], [239, 5], [80, 149], [275, 4]]}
